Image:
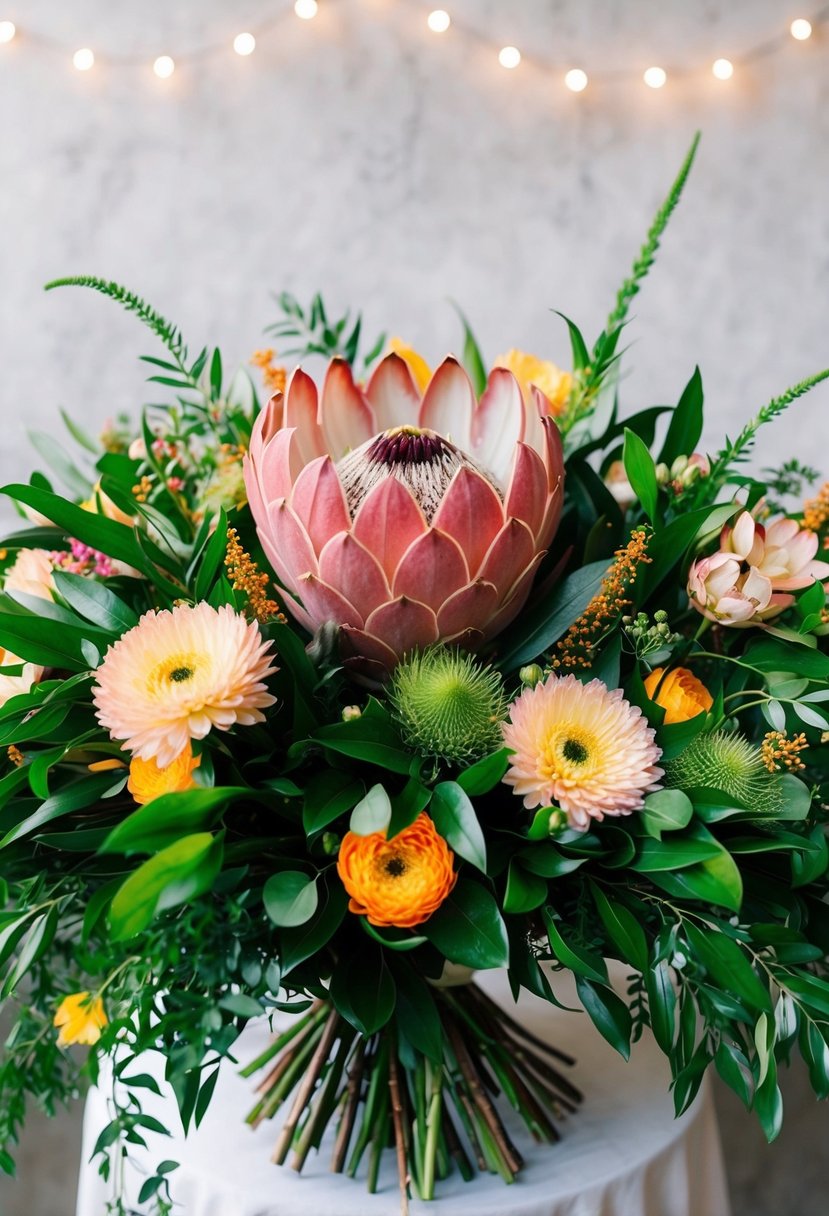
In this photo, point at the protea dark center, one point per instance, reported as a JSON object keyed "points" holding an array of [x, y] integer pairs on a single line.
{"points": [[423, 460]]}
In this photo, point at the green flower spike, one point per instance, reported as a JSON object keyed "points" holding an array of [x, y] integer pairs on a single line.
{"points": [[447, 705], [727, 762]]}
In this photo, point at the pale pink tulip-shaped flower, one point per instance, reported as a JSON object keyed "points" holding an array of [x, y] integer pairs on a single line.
{"points": [[404, 520]]}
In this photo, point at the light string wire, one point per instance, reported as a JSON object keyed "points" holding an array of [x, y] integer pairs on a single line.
{"points": [[440, 21]]}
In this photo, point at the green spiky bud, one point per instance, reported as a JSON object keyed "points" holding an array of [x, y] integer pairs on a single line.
{"points": [[448, 705], [727, 762]]}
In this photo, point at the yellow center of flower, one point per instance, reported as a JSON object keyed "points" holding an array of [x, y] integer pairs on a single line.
{"points": [[175, 669], [568, 753]]}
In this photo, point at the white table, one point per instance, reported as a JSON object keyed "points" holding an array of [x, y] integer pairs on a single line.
{"points": [[623, 1154]]}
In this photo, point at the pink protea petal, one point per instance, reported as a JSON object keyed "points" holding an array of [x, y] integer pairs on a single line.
{"points": [[509, 555], [324, 603], [301, 412], [448, 404], [498, 424], [387, 522], [527, 493], [319, 502], [472, 513], [279, 465], [393, 394], [514, 600], [347, 419], [348, 566], [470, 608], [553, 453], [359, 645], [431, 569], [291, 542], [404, 625]]}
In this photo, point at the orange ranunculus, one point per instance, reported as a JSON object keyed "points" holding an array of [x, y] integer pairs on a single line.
{"points": [[681, 694], [148, 781], [398, 882], [418, 366], [554, 383], [80, 1019]]}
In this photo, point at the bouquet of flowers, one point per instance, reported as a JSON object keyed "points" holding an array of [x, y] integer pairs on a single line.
{"points": [[319, 707]]}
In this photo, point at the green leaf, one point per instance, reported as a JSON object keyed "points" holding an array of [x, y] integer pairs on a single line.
{"points": [[685, 427], [212, 558], [726, 963], [552, 615], [290, 898], [661, 1004], [416, 1013], [716, 881], [580, 960], [169, 817], [673, 853], [666, 811], [732, 1066], [241, 1006], [608, 1013], [372, 813], [176, 875], [363, 990], [95, 602], [641, 472], [296, 945], [525, 891], [371, 737], [329, 794], [53, 452], [468, 928], [454, 817], [578, 346], [407, 805], [76, 796], [472, 358], [484, 774], [623, 929]]}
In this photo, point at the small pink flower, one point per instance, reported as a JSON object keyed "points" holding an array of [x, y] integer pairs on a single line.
{"points": [[723, 591]]}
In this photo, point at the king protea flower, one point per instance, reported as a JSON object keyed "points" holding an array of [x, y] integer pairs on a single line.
{"points": [[406, 521]]}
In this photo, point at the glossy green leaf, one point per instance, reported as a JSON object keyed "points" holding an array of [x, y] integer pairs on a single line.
{"points": [[641, 472], [608, 1013], [666, 811], [484, 774], [685, 427], [169, 817], [290, 898], [549, 617], [454, 817], [372, 813], [468, 928], [623, 929], [584, 962], [727, 964], [328, 795], [176, 875]]}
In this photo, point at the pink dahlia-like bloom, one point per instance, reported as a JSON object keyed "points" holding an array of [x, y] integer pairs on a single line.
{"points": [[747, 581], [177, 674], [581, 746], [405, 520], [31, 574]]}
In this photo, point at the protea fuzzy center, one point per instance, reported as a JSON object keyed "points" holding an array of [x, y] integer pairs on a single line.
{"points": [[404, 520]]}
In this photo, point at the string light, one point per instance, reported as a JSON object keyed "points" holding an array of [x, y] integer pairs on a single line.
{"points": [[439, 21], [7, 31], [801, 29], [723, 69], [655, 77], [509, 57], [84, 59], [244, 44], [164, 67], [306, 9], [576, 80]]}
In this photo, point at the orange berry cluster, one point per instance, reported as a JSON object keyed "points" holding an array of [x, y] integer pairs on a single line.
{"points": [[780, 753], [15, 755], [577, 647], [816, 510], [245, 576], [273, 375]]}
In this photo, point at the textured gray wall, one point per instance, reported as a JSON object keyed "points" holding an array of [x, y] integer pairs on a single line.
{"points": [[362, 155]]}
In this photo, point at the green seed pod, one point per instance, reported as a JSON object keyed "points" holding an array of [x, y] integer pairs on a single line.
{"points": [[727, 762]]}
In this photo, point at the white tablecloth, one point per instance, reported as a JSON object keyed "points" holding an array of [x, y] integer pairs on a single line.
{"points": [[623, 1154]]}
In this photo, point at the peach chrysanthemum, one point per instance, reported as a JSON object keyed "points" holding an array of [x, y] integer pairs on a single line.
{"points": [[581, 746], [179, 673]]}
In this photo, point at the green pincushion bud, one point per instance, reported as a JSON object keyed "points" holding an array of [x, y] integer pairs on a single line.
{"points": [[727, 762], [448, 705]]}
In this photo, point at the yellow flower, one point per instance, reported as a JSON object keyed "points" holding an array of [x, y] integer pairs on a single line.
{"points": [[147, 780], [398, 882], [101, 504], [554, 383], [417, 364], [81, 1018], [680, 694]]}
